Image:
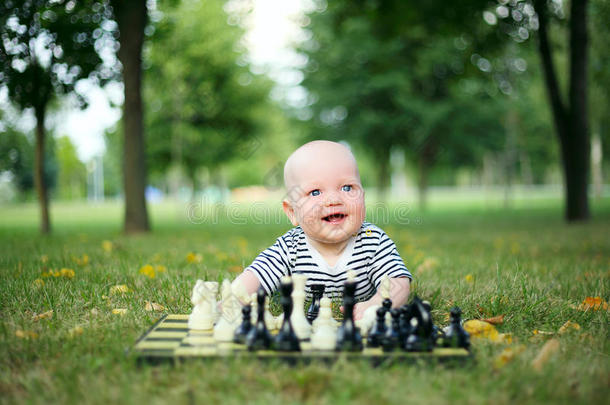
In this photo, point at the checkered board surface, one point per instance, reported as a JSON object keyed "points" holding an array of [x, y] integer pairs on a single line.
{"points": [[171, 339]]}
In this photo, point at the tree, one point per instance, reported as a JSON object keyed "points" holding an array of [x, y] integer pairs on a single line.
{"points": [[46, 47], [216, 109], [131, 17]]}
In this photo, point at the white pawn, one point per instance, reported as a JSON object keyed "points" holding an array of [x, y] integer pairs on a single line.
{"points": [[224, 330], [368, 319], [301, 326], [254, 312], [325, 335], [204, 301]]}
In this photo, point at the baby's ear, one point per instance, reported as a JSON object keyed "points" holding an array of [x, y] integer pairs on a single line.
{"points": [[290, 212]]}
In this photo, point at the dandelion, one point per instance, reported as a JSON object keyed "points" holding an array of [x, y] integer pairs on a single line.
{"points": [[193, 258], [160, 268], [107, 246], [148, 271], [469, 278], [82, 261], [119, 289], [38, 283]]}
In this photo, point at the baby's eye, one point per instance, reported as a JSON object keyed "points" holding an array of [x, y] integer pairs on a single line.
{"points": [[347, 187], [314, 193]]}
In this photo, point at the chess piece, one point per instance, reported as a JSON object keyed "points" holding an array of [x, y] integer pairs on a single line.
{"points": [[254, 312], [314, 308], [406, 328], [391, 339], [242, 331], [204, 301], [324, 336], [325, 308], [301, 326], [368, 320], [456, 336], [270, 320], [420, 339], [378, 331], [224, 331], [286, 340], [259, 337], [348, 335]]}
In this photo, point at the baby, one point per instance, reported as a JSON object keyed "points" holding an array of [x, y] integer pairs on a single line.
{"points": [[325, 203]]}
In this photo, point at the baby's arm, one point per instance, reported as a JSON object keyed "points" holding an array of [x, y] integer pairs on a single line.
{"points": [[399, 294]]}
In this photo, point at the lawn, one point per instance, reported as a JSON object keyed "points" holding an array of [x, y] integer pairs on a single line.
{"points": [[524, 263]]}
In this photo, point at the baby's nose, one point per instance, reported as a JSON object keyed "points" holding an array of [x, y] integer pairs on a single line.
{"points": [[333, 198]]}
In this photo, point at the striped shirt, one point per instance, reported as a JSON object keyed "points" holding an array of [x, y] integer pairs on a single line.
{"points": [[371, 254]]}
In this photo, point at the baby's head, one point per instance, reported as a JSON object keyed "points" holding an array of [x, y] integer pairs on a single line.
{"points": [[324, 194]]}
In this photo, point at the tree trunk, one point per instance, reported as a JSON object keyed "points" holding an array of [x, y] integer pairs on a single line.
{"points": [[131, 17], [41, 185], [571, 122]]}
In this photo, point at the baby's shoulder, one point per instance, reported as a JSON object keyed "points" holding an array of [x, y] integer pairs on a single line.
{"points": [[370, 231], [293, 236]]}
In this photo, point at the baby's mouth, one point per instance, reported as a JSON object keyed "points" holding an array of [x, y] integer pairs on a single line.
{"points": [[334, 218]]}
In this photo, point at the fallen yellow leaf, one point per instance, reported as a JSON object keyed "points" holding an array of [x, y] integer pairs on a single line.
{"points": [[507, 355], [566, 327], [119, 289], [26, 334], [153, 306], [38, 282], [545, 354], [481, 329], [44, 315], [495, 320], [119, 311], [75, 331]]}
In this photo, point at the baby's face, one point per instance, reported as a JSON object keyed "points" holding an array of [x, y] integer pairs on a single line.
{"points": [[326, 198]]}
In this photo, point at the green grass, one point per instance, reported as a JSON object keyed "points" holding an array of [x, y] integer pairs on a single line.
{"points": [[525, 263]]}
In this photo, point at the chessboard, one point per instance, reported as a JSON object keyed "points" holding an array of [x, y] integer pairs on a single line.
{"points": [[170, 339]]}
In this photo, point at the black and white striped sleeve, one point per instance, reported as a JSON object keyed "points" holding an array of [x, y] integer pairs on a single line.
{"points": [[386, 261], [273, 263]]}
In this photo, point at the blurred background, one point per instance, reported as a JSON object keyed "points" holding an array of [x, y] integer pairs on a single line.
{"points": [[178, 106]]}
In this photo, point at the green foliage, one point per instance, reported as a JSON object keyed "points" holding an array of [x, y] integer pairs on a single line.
{"points": [[205, 107], [72, 179]]}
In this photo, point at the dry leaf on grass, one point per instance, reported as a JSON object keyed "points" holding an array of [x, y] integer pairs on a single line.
{"points": [[545, 354], [593, 304], [484, 330], [153, 306], [119, 311], [568, 326], [26, 334], [75, 331], [44, 315], [495, 320], [507, 355], [119, 289]]}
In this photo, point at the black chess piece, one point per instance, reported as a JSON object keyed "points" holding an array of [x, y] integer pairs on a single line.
{"points": [[436, 332], [286, 340], [259, 337], [244, 328], [386, 304], [404, 324], [378, 330], [420, 339], [391, 339], [348, 335], [456, 336], [314, 308]]}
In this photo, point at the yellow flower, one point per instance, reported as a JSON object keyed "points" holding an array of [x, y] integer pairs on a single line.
{"points": [[67, 273], [160, 268], [38, 282], [119, 289], [469, 278], [119, 311], [193, 258], [107, 246], [56, 273], [44, 258], [148, 271], [46, 274], [82, 261]]}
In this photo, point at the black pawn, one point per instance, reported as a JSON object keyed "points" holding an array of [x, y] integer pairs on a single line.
{"points": [[420, 339], [378, 330], [348, 335], [259, 337], [405, 322], [391, 340], [314, 309], [242, 331], [286, 340], [456, 336]]}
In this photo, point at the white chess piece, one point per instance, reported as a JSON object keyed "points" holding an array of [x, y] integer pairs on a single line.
{"points": [[325, 304], [325, 335], [384, 287], [254, 312], [204, 301], [230, 316], [368, 319], [301, 326]]}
